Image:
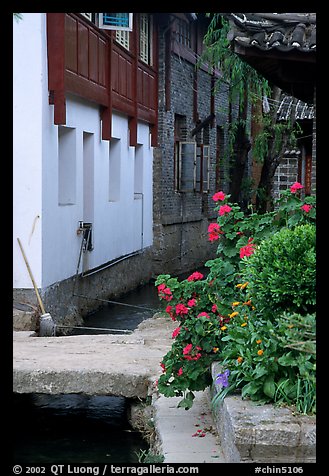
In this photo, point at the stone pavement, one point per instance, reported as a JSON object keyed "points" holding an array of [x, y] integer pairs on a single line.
{"points": [[187, 436], [121, 365]]}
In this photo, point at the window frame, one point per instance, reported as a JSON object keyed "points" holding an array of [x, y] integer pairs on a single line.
{"points": [[201, 167], [122, 37], [145, 39], [105, 26]]}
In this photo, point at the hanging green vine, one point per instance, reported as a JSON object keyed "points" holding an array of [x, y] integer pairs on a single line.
{"points": [[246, 87], [242, 79], [239, 77]]}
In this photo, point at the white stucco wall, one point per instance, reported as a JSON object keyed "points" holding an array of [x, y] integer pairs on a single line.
{"points": [[62, 174], [116, 222], [29, 93]]}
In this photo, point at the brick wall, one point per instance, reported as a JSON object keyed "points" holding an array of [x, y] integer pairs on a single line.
{"points": [[181, 219]]}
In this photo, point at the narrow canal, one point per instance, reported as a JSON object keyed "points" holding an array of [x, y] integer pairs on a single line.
{"points": [[123, 316], [85, 429], [74, 429]]}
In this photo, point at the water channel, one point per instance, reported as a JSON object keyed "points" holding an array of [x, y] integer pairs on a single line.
{"points": [[85, 429]]}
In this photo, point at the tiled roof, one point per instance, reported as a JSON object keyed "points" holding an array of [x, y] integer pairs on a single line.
{"points": [[280, 46], [281, 31]]}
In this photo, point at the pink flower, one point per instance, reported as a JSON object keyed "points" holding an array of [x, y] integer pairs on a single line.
{"points": [[247, 250], [193, 357], [187, 349], [176, 332], [296, 186], [224, 209], [180, 371], [164, 292], [214, 308], [204, 314], [306, 207], [214, 231], [195, 276], [169, 311], [191, 302], [163, 367], [181, 309], [218, 196]]}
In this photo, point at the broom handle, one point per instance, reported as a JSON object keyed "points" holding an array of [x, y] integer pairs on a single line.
{"points": [[31, 276]]}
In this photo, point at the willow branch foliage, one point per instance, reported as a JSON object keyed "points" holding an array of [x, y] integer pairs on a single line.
{"points": [[242, 80], [235, 72]]}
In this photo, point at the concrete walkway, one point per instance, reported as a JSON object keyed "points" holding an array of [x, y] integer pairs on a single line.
{"points": [[187, 436]]}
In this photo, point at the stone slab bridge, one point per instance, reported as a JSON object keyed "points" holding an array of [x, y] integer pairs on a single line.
{"points": [[119, 365]]}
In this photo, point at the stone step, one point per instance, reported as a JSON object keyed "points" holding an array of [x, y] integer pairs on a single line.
{"points": [[262, 433]]}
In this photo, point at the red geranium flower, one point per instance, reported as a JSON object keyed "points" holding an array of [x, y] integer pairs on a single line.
{"points": [[195, 276], [191, 302], [247, 250], [214, 231], [181, 309], [306, 208], [204, 314], [218, 196], [224, 209], [296, 186], [176, 332]]}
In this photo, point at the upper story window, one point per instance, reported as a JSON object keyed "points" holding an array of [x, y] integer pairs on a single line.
{"points": [[145, 38], [183, 33], [191, 160], [122, 37], [116, 21], [111, 21]]}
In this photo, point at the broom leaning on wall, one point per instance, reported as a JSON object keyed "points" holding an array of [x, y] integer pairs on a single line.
{"points": [[47, 325]]}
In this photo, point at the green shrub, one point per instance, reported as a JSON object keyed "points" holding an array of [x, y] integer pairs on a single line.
{"points": [[281, 272]]}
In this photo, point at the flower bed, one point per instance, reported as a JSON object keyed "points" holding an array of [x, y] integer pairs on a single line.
{"points": [[254, 311]]}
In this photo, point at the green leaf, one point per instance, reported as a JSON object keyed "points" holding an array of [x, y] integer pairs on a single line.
{"points": [[287, 360], [230, 251], [187, 402], [269, 387], [260, 372]]}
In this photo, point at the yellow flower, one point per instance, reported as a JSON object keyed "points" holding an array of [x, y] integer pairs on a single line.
{"points": [[239, 359], [243, 324], [258, 341], [235, 313], [223, 328], [247, 303], [235, 303], [242, 286], [215, 349], [260, 352], [290, 326]]}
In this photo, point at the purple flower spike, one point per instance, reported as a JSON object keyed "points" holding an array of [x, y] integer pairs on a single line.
{"points": [[222, 379]]}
